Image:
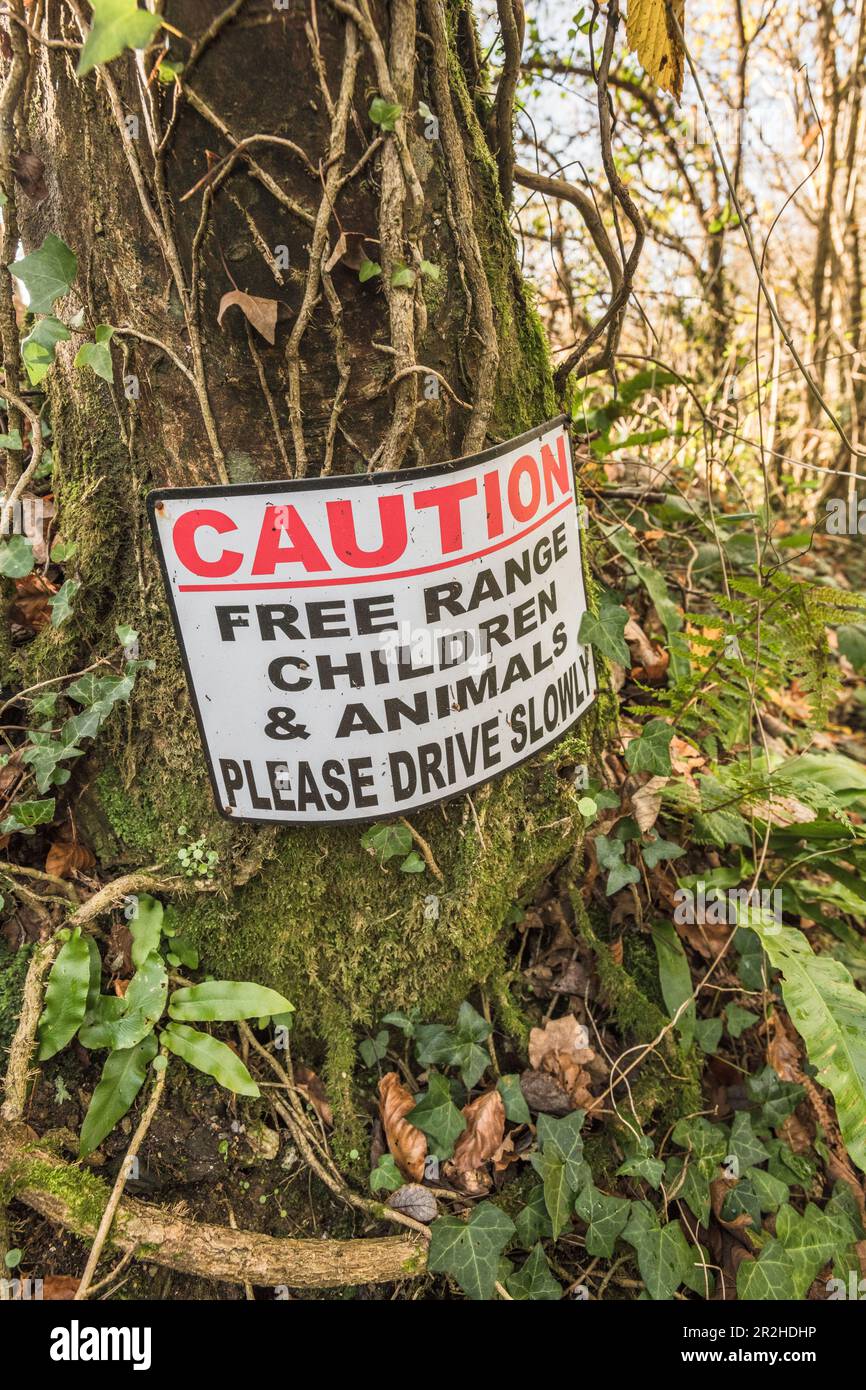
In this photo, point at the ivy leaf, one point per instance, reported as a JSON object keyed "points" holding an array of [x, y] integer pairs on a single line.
{"points": [[744, 1144], [708, 1033], [61, 603], [117, 24], [563, 1139], [369, 270], [642, 1166], [16, 557], [469, 1250], [384, 113], [516, 1109], [226, 1001], [97, 355], [387, 841], [386, 1176], [11, 440], [603, 630], [209, 1055], [47, 273], [65, 996], [664, 1257], [655, 850], [534, 1280], [438, 1117], [651, 752], [122, 1078], [738, 1019], [413, 863], [532, 1221], [558, 1192], [402, 277], [24, 815], [430, 271], [605, 1218], [611, 856], [37, 349]]}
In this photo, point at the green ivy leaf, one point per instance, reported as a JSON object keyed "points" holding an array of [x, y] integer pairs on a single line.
{"points": [[708, 1033], [209, 1055], [664, 1257], [61, 603], [532, 1221], [469, 1250], [402, 277], [97, 355], [384, 113], [11, 440], [387, 841], [534, 1280], [603, 630], [386, 1176], [47, 273], [37, 349], [516, 1109], [738, 1019], [651, 752], [605, 1218], [563, 1139], [122, 1078], [117, 24], [369, 270], [655, 850], [16, 557], [438, 1117], [24, 815]]}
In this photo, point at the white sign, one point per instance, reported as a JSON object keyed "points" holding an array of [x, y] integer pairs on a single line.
{"points": [[358, 647]]}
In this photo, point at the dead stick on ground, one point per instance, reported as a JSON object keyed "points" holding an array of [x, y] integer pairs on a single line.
{"points": [[120, 1183]]}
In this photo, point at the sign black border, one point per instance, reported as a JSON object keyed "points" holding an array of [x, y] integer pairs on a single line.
{"points": [[343, 480]]}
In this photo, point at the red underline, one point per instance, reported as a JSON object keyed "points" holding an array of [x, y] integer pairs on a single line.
{"points": [[372, 578]]}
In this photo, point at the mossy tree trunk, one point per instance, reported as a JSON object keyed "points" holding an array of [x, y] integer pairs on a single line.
{"points": [[167, 211]]}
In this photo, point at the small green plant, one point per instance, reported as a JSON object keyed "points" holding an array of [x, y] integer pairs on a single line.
{"points": [[127, 1026], [196, 860]]}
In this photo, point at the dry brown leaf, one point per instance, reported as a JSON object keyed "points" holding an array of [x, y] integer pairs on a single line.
{"points": [[60, 1286], [646, 802], [616, 951], [312, 1087], [562, 1049], [407, 1144], [542, 1092], [261, 313], [783, 1051], [485, 1130], [650, 661], [65, 858]]}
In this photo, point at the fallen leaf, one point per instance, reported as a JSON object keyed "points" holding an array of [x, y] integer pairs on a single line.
{"points": [[65, 858], [783, 1051], [646, 802], [543, 1093], [261, 313], [651, 662], [562, 1049], [407, 1144], [60, 1286], [485, 1130], [415, 1201], [312, 1088]]}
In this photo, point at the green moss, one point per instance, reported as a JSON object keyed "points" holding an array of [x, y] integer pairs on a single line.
{"points": [[13, 969], [84, 1194]]}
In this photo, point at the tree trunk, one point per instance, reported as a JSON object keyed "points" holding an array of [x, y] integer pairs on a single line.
{"points": [[167, 212]]}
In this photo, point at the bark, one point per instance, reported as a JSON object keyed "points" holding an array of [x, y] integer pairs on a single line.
{"points": [[72, 1198], [168, 215]]}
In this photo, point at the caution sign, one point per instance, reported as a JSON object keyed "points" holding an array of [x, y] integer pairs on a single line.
{"points": [[360, 647]]}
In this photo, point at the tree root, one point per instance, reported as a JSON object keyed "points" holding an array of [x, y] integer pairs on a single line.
{"points": [[45, 1183]]}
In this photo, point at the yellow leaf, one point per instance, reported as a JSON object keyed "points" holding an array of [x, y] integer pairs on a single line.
{"points": [[655, 38]]}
